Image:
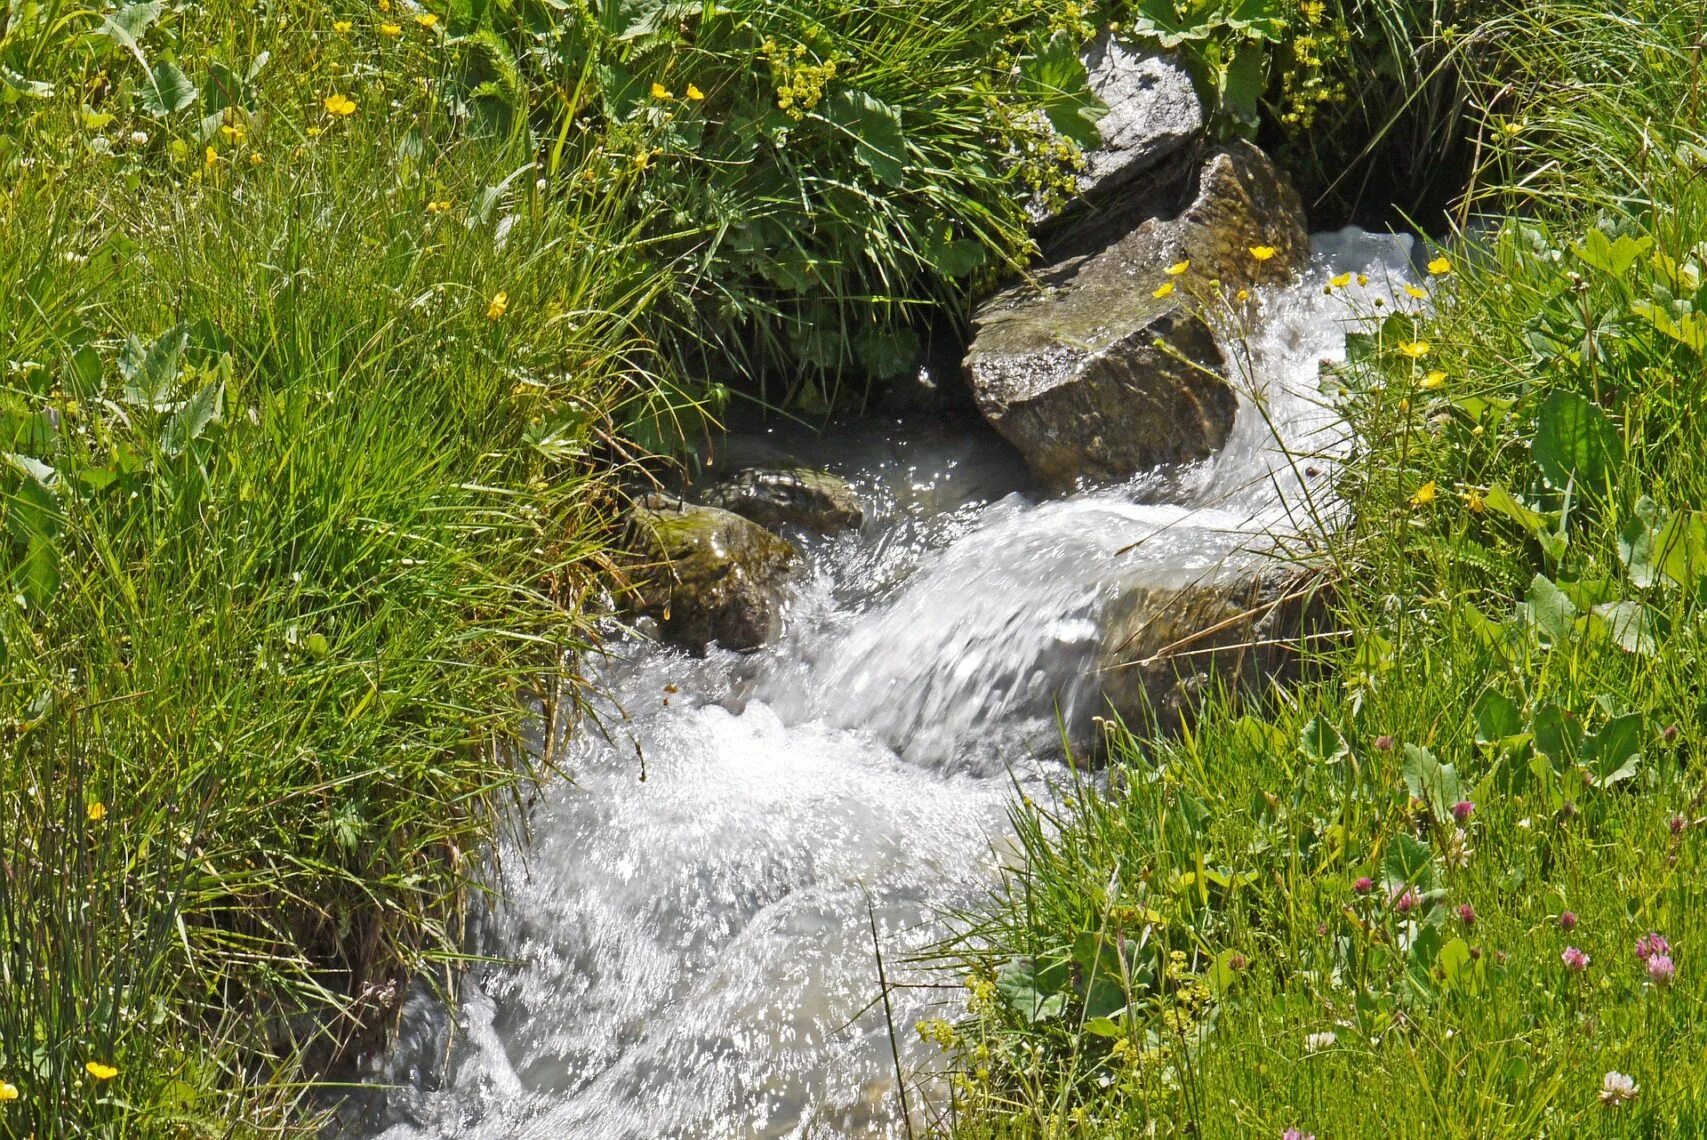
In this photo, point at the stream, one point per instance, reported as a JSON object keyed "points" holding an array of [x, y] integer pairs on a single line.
{"points": [[685, 949]]}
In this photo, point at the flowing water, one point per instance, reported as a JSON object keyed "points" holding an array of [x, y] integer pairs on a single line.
{"points": [[686, 948]]}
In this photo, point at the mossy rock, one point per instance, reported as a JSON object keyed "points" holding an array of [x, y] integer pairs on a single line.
{"points": [[711, 576], [788, 496]]}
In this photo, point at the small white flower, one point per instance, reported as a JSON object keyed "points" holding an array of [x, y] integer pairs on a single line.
{"points": [[1316, 1042], [140, 138], [1618, 1088]]}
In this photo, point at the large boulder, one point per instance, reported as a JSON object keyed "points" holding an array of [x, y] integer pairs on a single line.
{"points": [[1153, 112], [710, 576], [788, 496], [1165, 647], [1090, 374]]}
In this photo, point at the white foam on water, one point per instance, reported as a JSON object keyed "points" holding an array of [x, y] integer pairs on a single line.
{"points": [[691, 954]]}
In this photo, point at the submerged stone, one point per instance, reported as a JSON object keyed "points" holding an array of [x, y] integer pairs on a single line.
{"points": [[788, 496], [713, 577], [1165, 648], [1094, 376]]}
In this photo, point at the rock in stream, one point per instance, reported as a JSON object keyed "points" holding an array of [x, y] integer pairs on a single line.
{"points": [[1089, 373], [713, 575], [788, 496]]}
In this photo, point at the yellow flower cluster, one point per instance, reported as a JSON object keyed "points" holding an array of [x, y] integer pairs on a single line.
{"points": [[800, 83]]}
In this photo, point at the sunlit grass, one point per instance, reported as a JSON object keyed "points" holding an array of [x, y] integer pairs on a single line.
{"points": [[1295, 917]]}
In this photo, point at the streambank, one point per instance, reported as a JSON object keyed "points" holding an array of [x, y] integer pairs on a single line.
{"points": [[686, 948]]}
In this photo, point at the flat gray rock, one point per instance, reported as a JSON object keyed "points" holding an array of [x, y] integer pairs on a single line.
{"points": [[1153, 112]]}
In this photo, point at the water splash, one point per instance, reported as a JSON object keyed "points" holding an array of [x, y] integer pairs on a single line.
{"points": [[690, 954]]}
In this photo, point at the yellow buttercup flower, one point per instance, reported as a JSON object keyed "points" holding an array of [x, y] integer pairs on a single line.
{"points": [[341, 25], [1341, 281], [1263, 252], [211, 157], [254, 158], [1474, 501], [1415, 349], [1177, 268], [497, 305], [439, 207], [1363, 278], [232, 132], [392, 30], [426, 19], [1433, 380], [8, 1092], [97, 812], [100, 1072], [1440, 266], [1165, 289], [1425, 494], [340, 105], [1413, 291], [1242, 295], [695, 93], [316, 132], [659, 91]]}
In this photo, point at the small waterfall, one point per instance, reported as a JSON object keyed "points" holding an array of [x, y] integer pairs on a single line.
{"points": [[685, 950]]}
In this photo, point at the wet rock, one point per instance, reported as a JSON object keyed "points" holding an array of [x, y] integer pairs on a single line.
{"points": [[1090, 374], [1165, 648], [1153, 112], [788, 496], [711, 575]]}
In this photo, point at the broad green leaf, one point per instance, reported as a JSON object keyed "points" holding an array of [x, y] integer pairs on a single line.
{"points": [[1430, 781], [1575, 440], [880, 145], [1497, 717], [1035, 993], [1689, 329], [1628, 624], [169, 90], [1500, 500], [1055, 77], [81, 376], [1321, 741], [1681, 548], [1406, 862], [189, 422], [19, 86], [1614, 752], [1558, 734], [1222, 975], [1255, 737], [1458, 967], [1636, 545], [1549, 609], [151, 372], [1243, 83], [127, 26], [1612, 256]]}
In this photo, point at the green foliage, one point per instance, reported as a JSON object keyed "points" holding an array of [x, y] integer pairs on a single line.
{"points": [[818, 173], [305, 430], [1509, 731]]}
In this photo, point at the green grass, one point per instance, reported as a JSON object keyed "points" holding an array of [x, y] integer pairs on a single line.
{"points": [[286, 593], [331, 339], [1523, 585], [332, 335]]}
